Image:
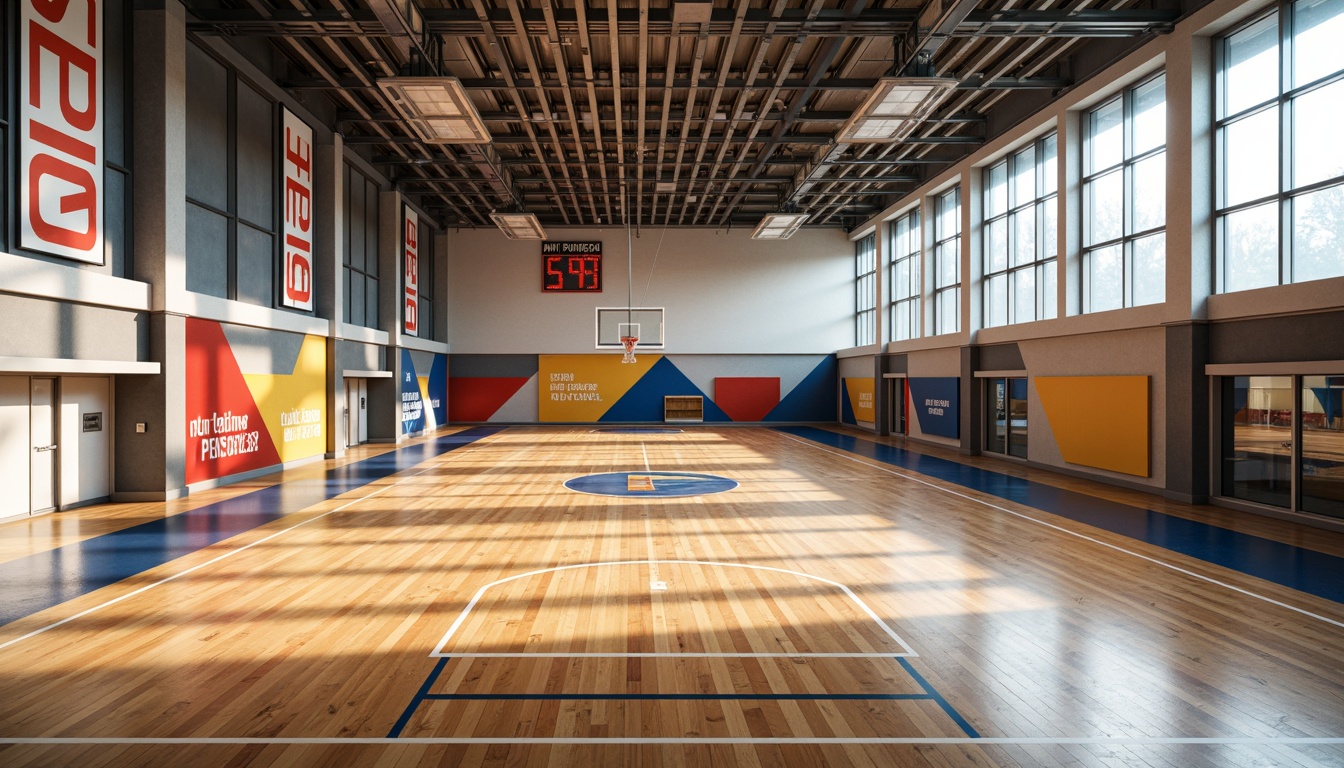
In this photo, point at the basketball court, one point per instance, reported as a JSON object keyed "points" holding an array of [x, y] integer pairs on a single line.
{"points": [[733, 596]]}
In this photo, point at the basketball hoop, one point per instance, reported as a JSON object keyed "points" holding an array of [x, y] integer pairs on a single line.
{"points": [[629, 343]]}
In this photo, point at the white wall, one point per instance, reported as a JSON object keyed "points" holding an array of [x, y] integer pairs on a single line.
{"points": [[15, 446], [85, 456], [724, 293]]}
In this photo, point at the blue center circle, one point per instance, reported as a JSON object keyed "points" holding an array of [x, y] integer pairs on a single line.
{"points": [[650, 484]]}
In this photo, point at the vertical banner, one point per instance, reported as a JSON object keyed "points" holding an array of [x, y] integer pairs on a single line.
{"points": [[297, 234], [61, 129], [411, 269]]}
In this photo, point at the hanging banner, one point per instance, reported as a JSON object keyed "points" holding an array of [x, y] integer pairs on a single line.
{"points": [[297, 234], [411, 269], [61, 129]]}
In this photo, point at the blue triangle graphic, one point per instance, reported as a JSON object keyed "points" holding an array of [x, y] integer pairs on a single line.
{"points": [[814, 397], [644, 401]]}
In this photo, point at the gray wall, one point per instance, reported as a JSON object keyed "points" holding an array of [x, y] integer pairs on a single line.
{"points": [[723, 292]]}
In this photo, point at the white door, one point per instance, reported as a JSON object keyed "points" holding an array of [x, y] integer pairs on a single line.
{"points": [[42, 428], [356, 411], [15, 447], [362, 412]]}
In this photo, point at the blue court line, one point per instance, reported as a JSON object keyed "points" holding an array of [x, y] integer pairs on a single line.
{"points": [[1305, 570], [419, 697], [930, 694], [45, 579], [938, 697]]}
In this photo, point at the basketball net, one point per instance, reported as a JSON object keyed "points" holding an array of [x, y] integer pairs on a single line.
{"points": [[629, 343]]}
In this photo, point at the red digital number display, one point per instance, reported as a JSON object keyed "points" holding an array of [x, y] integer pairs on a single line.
{"points": [[571, 267]]}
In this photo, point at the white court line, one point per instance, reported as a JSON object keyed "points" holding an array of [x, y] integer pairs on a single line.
{"points": [[821, 741], [1117, 548], [645, 449], [230, 553], [476, 598]]}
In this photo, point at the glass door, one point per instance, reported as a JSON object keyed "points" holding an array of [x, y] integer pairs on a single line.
{"points": [[1006, 417]]}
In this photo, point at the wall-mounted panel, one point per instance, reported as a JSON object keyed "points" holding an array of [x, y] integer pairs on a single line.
{"points": [[1099, 421]]}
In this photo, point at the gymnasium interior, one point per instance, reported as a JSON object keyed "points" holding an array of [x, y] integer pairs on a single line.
{"points": [[672, 383]]}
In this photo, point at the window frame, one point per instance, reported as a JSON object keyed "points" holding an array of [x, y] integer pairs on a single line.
{"points": [[1040, 266], [946, 241], [865, 294], [1128, 238], [907, 302], [1283, 106], [347, 268]]}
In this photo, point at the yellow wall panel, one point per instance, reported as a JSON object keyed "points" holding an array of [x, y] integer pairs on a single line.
{"points": [[580, 388], [1099, 421]]}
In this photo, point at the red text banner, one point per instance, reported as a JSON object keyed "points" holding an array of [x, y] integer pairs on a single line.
{"points": [[298, 226], [61, 128], [411, 270]]}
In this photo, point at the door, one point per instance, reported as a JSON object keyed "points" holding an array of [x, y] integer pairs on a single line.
{"points": [[356, 411], [896, 405], [42, 429]]}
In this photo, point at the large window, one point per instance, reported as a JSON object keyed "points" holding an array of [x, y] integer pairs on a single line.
{"points": [[361, 249], [865, 293], [1283, 437], [1020, 235], [1280, 168], [231, 184], [904, 239], [947, 262], [1125, 199]]}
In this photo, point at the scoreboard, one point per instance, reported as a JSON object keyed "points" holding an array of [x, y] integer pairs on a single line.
{"points": [[571, 267]]}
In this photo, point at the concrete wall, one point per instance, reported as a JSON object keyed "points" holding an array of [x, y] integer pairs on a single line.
{"points": [[723, 292]]}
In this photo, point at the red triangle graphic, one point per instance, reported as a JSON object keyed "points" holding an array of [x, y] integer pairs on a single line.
{"points": [[477, 399], [225, 432]]}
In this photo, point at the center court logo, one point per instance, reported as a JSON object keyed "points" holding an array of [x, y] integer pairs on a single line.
{"points": [[651, 484]]}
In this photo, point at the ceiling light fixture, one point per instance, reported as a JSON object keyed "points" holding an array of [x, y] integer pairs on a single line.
{"points": [[894, 108], [519, 226], [437, 109], [778, 226]]}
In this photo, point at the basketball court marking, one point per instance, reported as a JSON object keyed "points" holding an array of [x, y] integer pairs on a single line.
{"points": [[650, 484], [224, 556], [438, 652], [1061, 529]]}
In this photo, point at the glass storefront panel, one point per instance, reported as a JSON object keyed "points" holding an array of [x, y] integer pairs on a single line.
{"points": [[1323, 445], [996, 408], [1006, 417], [1017, 417], [1258, 435]]}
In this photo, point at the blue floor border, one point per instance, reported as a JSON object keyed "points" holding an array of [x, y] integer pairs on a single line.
{"points": [[46, 579], [930, 694], [1305, 570]]}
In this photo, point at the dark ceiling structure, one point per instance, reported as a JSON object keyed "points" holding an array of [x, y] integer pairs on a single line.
{"points": [[680, 113]]}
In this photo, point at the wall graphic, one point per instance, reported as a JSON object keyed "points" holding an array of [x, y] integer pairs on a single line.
{"points": [[1098, 421], [61, 129], [424, 399], [599, 388], [859, 399], [239, 421], [935, 404]]}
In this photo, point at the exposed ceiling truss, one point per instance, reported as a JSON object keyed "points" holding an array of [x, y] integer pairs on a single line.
{"points": [[678, 113]]}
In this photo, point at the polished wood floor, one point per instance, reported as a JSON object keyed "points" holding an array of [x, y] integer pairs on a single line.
{"points": [[827, 611]]}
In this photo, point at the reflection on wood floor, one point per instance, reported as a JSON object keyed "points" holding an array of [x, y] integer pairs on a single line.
{"points": [[828, 611]]}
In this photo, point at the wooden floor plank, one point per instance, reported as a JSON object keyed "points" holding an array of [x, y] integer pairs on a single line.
{"points": [[1022, 628]]}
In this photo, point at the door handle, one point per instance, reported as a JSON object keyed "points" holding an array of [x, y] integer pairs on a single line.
{"points": [[43, 448]]}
